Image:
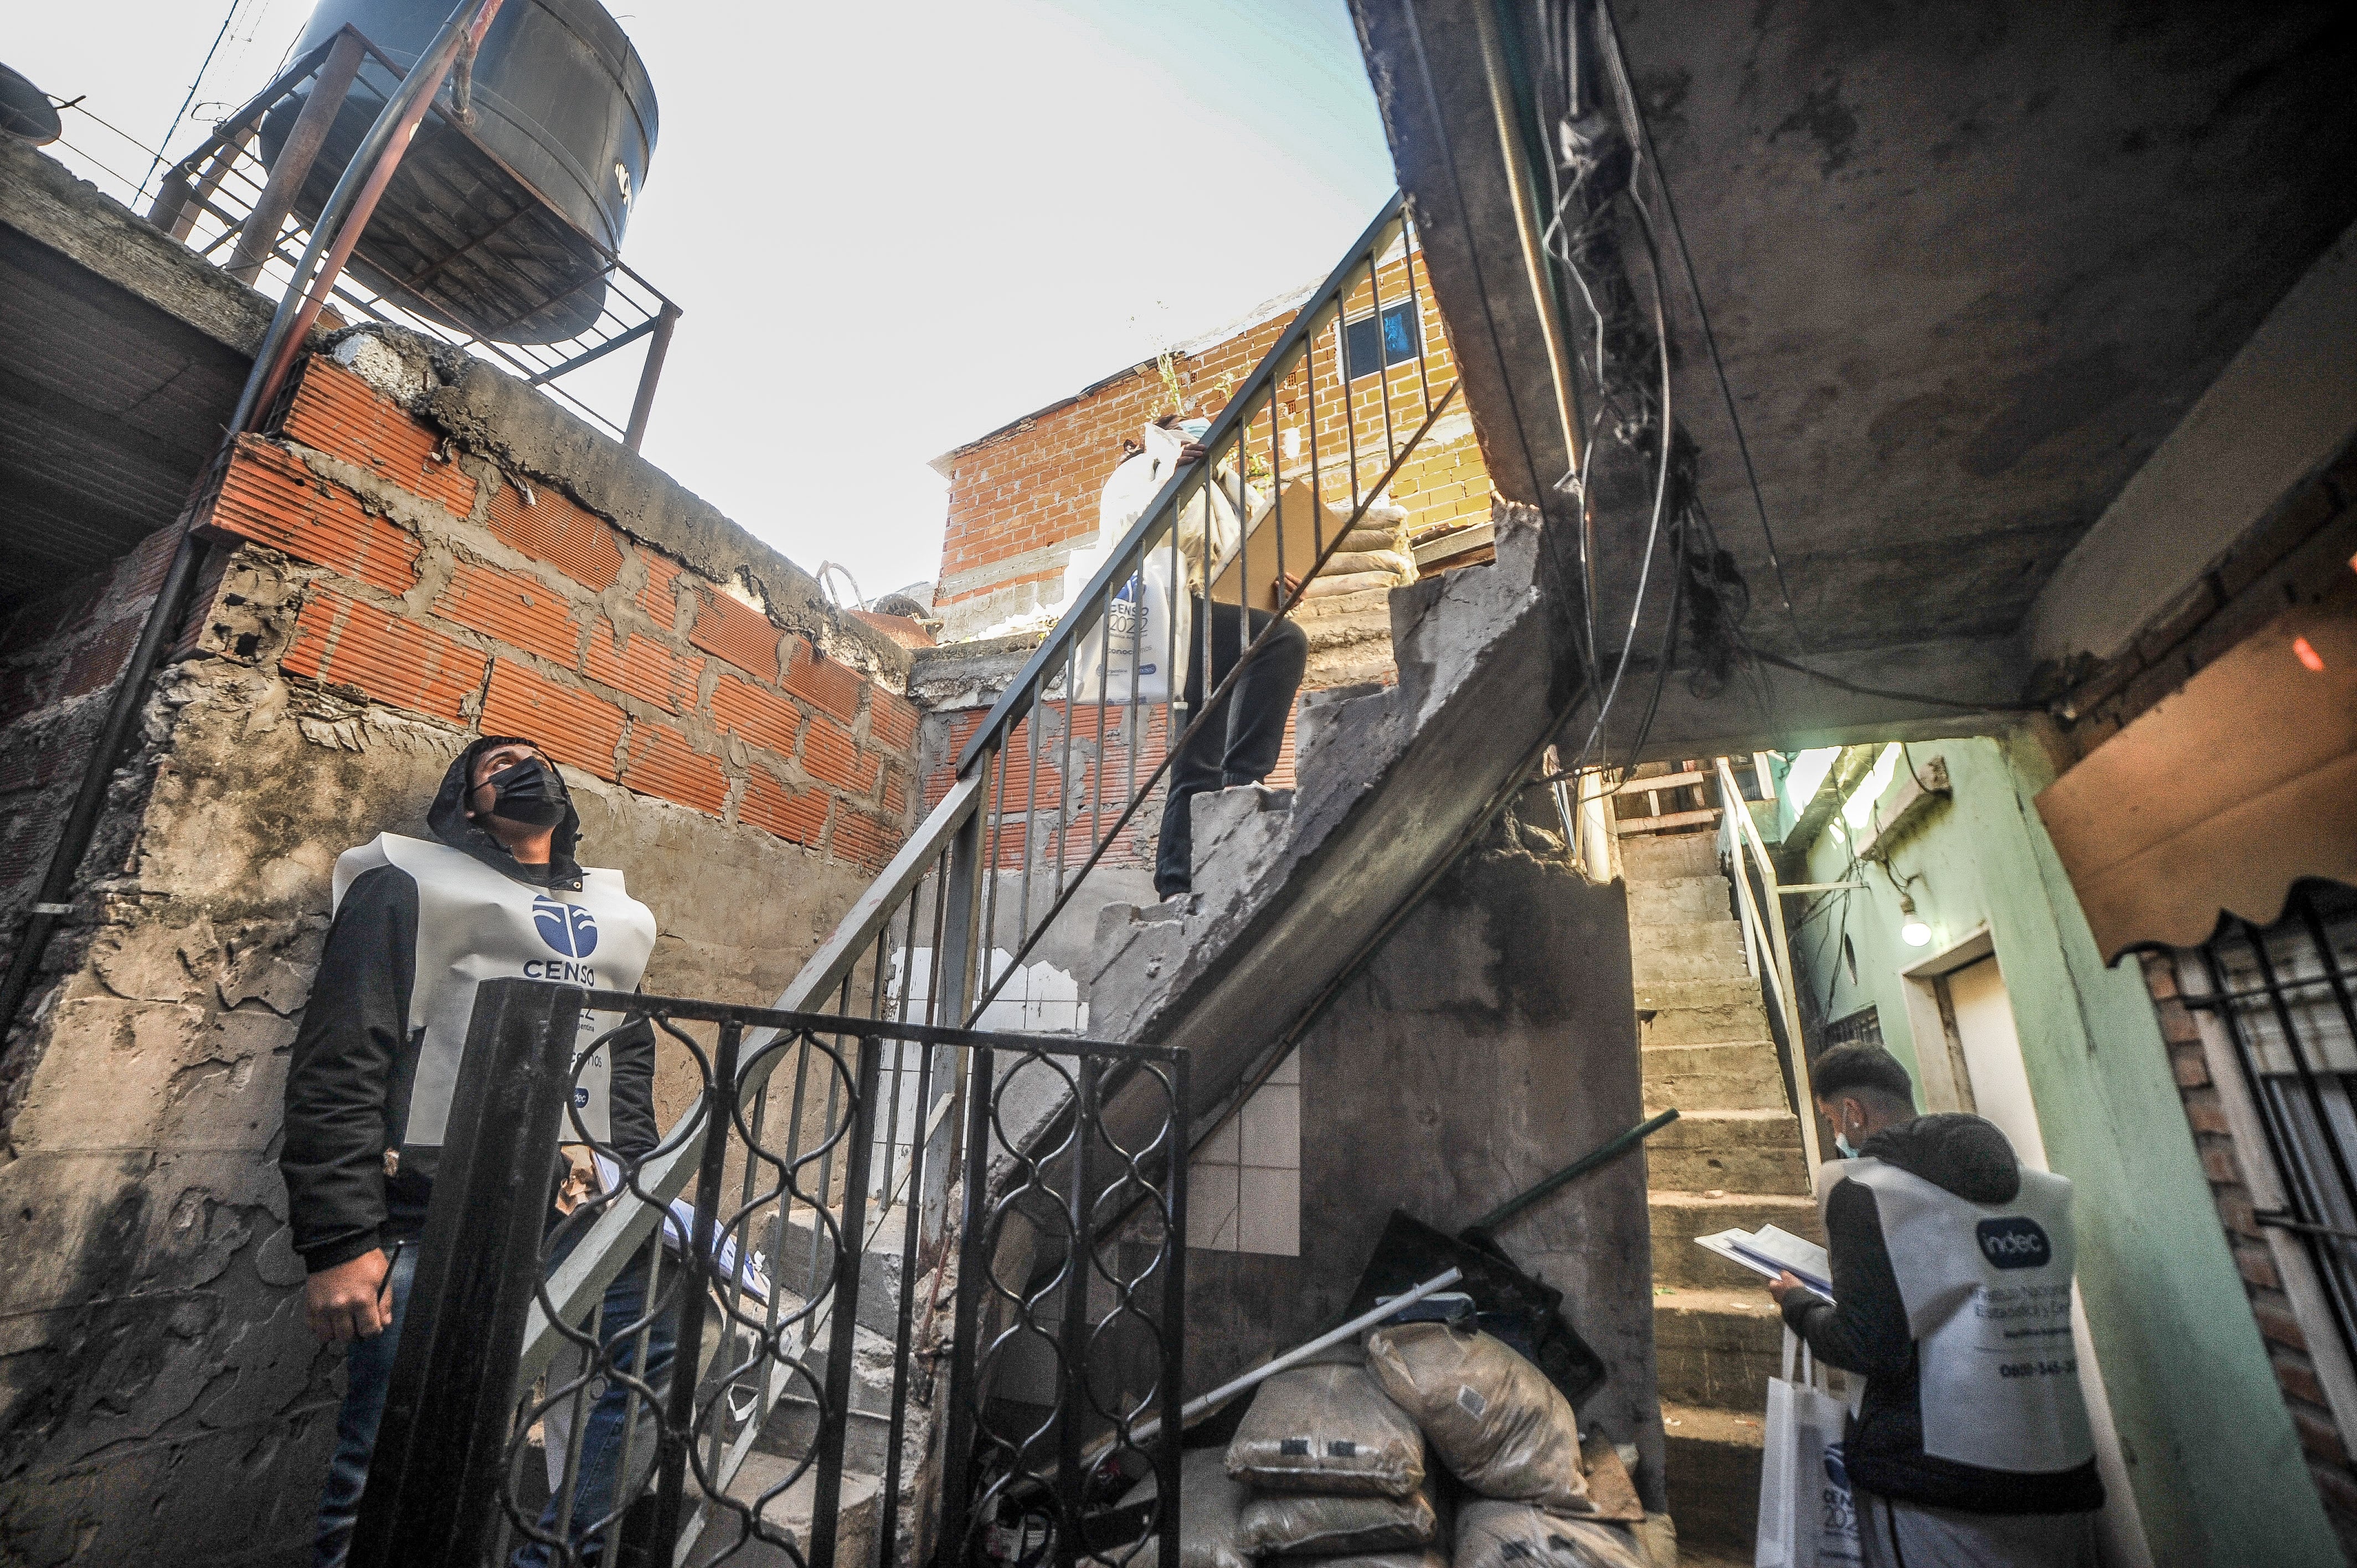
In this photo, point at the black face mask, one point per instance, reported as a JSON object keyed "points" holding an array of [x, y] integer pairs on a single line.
{"points": [[529, 792]]}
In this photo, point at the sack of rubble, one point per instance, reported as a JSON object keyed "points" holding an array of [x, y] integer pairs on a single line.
{"points": [[1419, 1557], [1373, 554], [1297, 1524], [1491, 1417], [1210, 1506], [1326, 1428], [1516, 1535]]}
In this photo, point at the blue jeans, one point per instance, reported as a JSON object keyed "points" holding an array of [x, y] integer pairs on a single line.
{"points": [[368, 1372]]}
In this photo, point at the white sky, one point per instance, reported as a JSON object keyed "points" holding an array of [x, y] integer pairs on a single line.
{"points": [[892, 228]]}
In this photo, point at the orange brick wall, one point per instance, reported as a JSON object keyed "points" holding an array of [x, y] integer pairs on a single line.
{"points": [[516, 612], [1035, 486]]}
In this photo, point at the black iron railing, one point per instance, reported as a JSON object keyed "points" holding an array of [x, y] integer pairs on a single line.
{"points": [[762, 1371], [2287, 997]]}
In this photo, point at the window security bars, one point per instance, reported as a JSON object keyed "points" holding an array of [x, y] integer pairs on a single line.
{"points": [[761, 1375], [2286, 995], [496, 241]]}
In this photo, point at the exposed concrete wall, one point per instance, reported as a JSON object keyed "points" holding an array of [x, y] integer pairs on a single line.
{"points": [[2214, 1460], [1492, 1039]]}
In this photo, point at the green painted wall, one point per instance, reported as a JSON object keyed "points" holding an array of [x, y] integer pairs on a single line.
{"points": [[2218, 1473]]}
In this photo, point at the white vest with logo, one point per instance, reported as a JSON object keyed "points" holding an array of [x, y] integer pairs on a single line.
{"points": [[1987, 1292], [473, 925]]}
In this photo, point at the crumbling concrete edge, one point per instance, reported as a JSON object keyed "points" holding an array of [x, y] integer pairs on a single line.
{"points": [[42, 200], [1447, 631]]}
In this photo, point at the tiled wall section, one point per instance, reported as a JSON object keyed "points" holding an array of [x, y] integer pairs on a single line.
{"points": [[451, 591], [1244, 1186], [1022, 498]]}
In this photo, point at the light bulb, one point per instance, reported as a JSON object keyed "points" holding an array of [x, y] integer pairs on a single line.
{"points": [[1911, 929]]}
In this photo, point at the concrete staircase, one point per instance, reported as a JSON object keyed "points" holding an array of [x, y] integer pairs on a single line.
{"points": [[1733, 1157]]}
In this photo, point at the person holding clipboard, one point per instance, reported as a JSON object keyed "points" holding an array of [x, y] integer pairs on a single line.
{"points": [[1952, 1293]]}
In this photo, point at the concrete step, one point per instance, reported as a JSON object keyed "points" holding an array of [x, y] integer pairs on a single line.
{"points": [[1741, 1021], [1663, 993], [792, 1257], [1719, 939], [1743, 1076], [1681, 898], [1717, 1349], [1713, 1471], [1663, 858], [1679, 1216], [727, 1537], [1735, 1151], [1654, 964]]}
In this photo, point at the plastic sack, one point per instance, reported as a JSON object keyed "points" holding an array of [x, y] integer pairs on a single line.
{"points": [[1491, 1416], [1302, 1524], [1326, 1428], [1208, 1507], [1322, 586], [1516, 1535], [1807, 1519]]}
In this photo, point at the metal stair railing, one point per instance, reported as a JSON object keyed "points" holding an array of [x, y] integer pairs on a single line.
{"points": [[1764, 935], [1273, 426], [916, 948]]}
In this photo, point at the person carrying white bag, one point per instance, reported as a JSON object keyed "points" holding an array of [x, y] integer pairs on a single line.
{"points": [[1132, 659], [1807, 1516], [1951, 1292]]}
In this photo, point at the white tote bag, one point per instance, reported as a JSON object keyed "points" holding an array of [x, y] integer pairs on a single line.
{"points": [[1806, 1516]]}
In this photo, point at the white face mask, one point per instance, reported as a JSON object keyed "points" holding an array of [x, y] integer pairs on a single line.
{"points": [[1841, 1142]]}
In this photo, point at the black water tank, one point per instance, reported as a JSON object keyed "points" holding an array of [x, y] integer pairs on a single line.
{"points": [[505, 229]]}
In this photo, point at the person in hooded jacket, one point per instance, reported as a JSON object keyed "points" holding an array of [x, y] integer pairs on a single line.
{"points": [[417, 925], [1952, 1293]]}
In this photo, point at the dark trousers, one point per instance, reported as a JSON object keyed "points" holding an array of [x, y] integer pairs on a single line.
{"points": [[369, 1379], [1240, 743]]}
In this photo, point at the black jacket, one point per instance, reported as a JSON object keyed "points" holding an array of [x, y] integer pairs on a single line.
{"points": [[356, 1042], [1866, 1331]]}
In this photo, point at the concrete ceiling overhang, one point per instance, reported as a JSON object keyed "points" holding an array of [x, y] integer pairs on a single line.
{"points": [[120, 357], [1966, 265]]}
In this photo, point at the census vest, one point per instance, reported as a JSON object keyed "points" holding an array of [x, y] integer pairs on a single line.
{"points": [[473, 925], [1987, 1292]]}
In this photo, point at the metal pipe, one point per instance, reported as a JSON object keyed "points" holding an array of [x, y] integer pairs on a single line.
{"points": [[1526, 226], [258, 238], [1291, 1359], [346, 214], [642, 406], [1602, 1155]]}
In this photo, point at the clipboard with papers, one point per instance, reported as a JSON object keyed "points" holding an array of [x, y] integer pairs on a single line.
{"points": [[1771, 1250]]}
